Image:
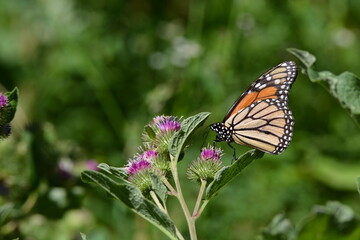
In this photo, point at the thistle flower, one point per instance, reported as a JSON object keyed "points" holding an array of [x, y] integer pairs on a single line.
{"points": [[3, 100], [149, 155], [139, 171], [206, 165], [167, 123], [137, 166], [158, 132]]}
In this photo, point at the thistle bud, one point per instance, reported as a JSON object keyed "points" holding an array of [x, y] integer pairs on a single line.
{"points": [[206, 165], [158, 132]]}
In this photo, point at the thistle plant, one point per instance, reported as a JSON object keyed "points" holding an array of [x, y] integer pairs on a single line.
{"points": [[8, 104], [151, 175]]}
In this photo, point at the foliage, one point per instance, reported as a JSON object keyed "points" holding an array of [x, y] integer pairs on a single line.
{"points": [[345, 86], [332, 221], [91, 75]]}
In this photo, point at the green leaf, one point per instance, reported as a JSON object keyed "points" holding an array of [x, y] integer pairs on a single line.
{"points": [[304, 56], [83, 236], [330, 172], [345, 87], [228, 173], [150, 132], [280, 228], [118, 172], [159, 188], [358, 180], [132, 197], [188, 127], [330, 222]]}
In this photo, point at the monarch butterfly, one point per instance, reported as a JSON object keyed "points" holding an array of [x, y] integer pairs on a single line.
{"points": [[260, 117]]}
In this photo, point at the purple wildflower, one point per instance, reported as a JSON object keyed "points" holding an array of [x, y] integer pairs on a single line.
{"points": [[138, 165], [149, 154], [3, 100], [91, 165], [206, 165], [211, 153], [167, 123]]}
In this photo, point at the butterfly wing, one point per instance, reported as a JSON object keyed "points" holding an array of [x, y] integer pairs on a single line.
{"points": [[274, 84], [265, 125]]}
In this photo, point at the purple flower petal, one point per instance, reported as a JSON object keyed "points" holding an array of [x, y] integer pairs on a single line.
{"points": [[138, 165], [167, 123], [3, 100], [149, 154], [211, 153]]}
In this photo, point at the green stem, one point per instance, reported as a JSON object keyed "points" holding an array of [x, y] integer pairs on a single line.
{"points": [[168, 185], [189, 219], [202, 208], [164, 209], [198, 201], [157, 202]]}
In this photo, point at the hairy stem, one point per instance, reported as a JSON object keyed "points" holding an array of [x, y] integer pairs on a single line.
{"points": [[157, 202], [202, 208], [189, 219], [164, 209], [199, 198], [169, 186]]}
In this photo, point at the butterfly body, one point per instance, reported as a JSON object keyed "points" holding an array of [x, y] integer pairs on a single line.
{"points": [[260, 117]]}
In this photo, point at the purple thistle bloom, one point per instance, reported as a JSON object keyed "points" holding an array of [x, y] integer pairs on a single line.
{"points": [[138, 165], [211, 153], [3, 100], [167, 123], [91, 165], [149, 155]]}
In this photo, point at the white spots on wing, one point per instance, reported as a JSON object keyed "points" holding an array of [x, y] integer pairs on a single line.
{"points": [[262, 86]]}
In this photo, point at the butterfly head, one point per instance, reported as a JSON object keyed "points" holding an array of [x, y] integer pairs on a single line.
{"points": [[223, 132]]}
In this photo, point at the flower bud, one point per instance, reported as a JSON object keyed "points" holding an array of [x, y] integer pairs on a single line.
{"points": [[160, 130], [206, 165]]}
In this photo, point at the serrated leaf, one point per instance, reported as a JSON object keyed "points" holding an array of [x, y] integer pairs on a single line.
{"points": [[228, 173], [332, 221], [132, 197], [304, 56], [188, 127], [118, 172], [345, 86], [159, 188], [280, 228]]}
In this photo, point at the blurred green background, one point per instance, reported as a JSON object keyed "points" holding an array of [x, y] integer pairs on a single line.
{"points": [[91, 74]]}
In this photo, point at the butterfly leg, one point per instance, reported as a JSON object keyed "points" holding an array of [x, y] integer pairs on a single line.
{"points": [[234, 152]]}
